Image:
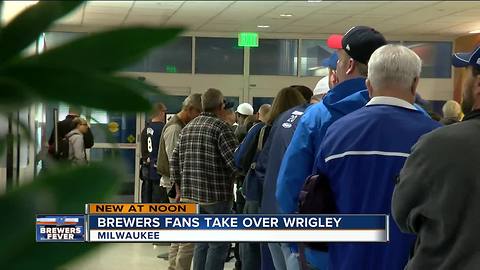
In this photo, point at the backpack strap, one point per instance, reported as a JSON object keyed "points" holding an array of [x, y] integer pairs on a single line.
{"points": [[260, 143], [260, 139]]}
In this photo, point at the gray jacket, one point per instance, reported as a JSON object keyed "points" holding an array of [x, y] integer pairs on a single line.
{"points": [[438, 197], [76, 149]]}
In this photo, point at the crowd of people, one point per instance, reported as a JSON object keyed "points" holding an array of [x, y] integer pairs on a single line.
{"points": [[362, 132]]}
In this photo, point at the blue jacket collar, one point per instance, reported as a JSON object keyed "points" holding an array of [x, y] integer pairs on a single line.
{"points": [[345, 89]]}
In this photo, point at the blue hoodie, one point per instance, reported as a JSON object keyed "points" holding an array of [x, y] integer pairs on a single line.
{"points": [[299, 158], [298, 162]]}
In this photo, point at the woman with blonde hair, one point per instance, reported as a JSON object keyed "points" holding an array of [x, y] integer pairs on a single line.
{"points": [[76, 151]]}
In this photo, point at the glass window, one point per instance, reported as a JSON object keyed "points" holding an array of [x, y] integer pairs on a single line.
{"points": [[436, 62], [233, 100], [114, 127], [312, 53], [259, 101], [274, 57], [218, 56], [173, 103], [173, 57]]}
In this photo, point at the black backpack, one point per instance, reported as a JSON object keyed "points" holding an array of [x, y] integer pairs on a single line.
{"points": [[63, 148], [316, 197]]}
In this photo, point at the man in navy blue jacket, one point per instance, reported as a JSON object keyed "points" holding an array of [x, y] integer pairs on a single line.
{"points": [[362, 155], [354, 50]]}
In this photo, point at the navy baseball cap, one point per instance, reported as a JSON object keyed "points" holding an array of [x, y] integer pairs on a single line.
{"points": [[359, 42], [467, 59], [331, 62]]}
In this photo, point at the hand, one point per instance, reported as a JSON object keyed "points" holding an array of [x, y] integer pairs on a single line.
{"points": [[178, 193]]}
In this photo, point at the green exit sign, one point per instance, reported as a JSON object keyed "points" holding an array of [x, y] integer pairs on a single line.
{"points": [[248, 39]]}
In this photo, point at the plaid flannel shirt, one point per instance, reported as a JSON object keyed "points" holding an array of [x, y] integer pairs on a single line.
{"points": [[202, 163]]}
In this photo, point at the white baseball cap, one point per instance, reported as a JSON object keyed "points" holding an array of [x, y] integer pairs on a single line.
{"points": [[245, 109], [321, 87]]}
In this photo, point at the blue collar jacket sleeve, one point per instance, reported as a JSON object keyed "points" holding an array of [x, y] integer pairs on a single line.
{"points": [[242, 162]]}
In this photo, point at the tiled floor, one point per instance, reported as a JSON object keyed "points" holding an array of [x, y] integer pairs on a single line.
{"points": [[125, 257]]}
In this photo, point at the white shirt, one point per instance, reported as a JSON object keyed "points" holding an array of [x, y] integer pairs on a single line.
{"points": [[392, 101]]}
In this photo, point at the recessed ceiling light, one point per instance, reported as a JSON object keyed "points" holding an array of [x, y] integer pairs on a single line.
{"points": [[263, 26], [286, 15], [475, 31]]}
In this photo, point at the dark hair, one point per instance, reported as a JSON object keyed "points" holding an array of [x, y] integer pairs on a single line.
{"points": [[249, 121], [475, 71], [287, 98], [306, 92]]}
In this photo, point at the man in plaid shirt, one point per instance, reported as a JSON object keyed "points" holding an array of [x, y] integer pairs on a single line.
{"points": [[202, 167]]}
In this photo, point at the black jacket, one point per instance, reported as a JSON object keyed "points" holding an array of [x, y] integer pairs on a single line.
{"points": [[65, 126]]}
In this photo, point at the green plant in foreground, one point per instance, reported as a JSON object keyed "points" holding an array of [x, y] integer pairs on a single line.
{"points": [[79, 73]]}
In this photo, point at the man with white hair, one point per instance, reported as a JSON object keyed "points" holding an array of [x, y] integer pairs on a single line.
{"points": [[362, 153]]}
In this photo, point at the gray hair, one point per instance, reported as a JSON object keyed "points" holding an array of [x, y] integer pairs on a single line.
{"points": [[211, 99], [451, 109], [264, 109], [192, 101], [393, 65]]}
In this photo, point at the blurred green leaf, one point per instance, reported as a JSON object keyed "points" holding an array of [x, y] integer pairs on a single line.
{"points": [[81, 88], [61, 192], [107, 51], [14, 95], [25, 28]]}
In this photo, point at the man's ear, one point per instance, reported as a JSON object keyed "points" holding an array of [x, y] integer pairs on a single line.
{"points": [[413, 88], [369, 87], [351, 66]]}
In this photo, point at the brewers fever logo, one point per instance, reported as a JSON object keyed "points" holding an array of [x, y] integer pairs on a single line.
{"points": [[60, 228]]}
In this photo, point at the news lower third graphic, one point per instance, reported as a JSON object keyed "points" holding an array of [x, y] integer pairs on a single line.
{"points": [[182, 223], [60, 228]]}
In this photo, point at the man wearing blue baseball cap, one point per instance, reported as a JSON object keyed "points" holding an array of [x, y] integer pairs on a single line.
{"points": [[438, 190], [354, 50], [331, 63], [328, 82]]}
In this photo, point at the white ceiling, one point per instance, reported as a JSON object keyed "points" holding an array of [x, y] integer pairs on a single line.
{"points": [[417, 18]]}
